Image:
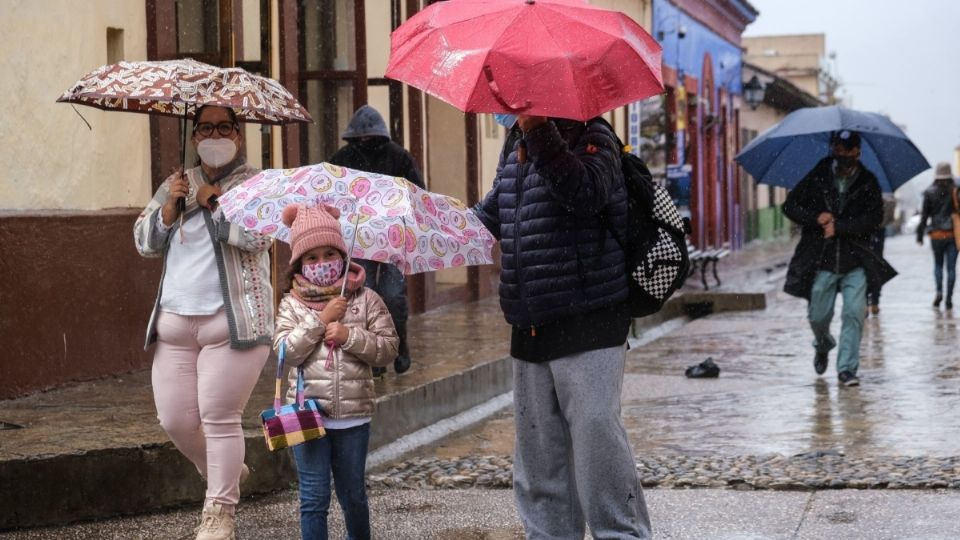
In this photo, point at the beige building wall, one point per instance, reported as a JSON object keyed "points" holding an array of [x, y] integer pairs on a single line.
{"points": [[956, 161], [760, 120], [50, 159], [796, 58]]}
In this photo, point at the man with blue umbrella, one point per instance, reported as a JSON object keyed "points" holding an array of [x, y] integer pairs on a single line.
{"points": [[838, 206]]}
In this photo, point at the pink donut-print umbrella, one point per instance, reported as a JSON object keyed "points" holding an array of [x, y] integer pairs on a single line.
{"points": [[391, 219]]}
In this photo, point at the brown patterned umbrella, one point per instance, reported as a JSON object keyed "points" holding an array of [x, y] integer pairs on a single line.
{"points": [[179, 87]]}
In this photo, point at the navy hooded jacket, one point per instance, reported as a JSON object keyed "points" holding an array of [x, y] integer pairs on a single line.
{"points": [[553, 216]]}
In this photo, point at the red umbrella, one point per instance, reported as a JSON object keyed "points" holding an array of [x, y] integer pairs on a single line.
{"points": [[558, 58]]}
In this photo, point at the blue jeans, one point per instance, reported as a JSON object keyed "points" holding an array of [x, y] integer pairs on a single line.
{"points": [[344, 451], [823, 296], [944, 251]]}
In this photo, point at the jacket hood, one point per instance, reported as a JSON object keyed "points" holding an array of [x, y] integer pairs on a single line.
{"points": [[366, 122]]}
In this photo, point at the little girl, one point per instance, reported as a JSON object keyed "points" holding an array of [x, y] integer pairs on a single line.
{"points": [[338, 340]]}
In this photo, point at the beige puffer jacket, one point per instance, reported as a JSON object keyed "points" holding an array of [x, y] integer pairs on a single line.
{"points": [[346, 390]]}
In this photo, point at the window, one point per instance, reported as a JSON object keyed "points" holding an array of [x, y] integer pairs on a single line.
{"points": [[198, 30], [331, 104], [114, 45], [333, 71], [329, 30], [652, 142]]}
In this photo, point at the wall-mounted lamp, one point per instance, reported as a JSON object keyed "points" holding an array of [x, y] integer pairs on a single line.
{"points": [[680, 30], [753, 92]]}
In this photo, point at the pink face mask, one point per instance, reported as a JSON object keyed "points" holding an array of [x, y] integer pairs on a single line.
{"points": [[323, 274]]}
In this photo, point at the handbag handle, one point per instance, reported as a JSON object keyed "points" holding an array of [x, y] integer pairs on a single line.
{"points": [[277, 403]]}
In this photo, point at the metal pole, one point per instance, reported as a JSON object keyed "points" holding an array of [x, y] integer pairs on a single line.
{"points": [[353, 241]]}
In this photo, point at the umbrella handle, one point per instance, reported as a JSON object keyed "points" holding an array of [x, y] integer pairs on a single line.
{"points": [[495, 91]]}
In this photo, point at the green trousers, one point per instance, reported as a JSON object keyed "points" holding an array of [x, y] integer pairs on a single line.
{"points": [[823, 297]]}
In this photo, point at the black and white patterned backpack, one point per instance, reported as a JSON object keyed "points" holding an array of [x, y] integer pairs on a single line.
{"points": [[655, 246]]}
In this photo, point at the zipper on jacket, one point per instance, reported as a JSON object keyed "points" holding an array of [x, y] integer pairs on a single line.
{"points": [[336, 384]]}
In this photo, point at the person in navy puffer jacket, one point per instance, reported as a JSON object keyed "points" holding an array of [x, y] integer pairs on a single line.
{"points": [[563, 288]]}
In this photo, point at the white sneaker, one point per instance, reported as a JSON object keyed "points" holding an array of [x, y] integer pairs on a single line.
{"points": [[216, 524]]}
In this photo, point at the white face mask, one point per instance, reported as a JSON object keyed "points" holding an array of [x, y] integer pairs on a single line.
{"points": [[216, 152]]}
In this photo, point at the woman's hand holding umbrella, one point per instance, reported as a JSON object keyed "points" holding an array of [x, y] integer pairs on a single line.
{"points": [[179, 189], [207, 196]]}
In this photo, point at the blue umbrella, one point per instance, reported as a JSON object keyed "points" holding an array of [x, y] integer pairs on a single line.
{"points": [[785, 153]]}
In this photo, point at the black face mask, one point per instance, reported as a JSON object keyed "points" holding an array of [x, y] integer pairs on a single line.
{"points": [[846, 162]]}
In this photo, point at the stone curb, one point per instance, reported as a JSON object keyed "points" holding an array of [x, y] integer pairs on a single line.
{"points": [[805, 472]]}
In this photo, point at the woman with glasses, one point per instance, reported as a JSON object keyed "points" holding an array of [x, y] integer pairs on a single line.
{"points": [[213, 318]]}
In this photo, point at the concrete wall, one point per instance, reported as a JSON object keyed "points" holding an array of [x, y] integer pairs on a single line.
{"points": [[50, 159]]}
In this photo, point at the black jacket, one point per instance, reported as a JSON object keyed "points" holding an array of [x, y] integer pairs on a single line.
{"points": [[937, 208], [854, 222], [563, 283], [381, 156]]}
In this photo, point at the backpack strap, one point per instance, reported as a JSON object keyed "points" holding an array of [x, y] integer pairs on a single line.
{"points": [[604, 218]]}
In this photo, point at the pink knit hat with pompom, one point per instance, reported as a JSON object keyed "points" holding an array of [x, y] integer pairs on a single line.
{"points": [[312, 227]]}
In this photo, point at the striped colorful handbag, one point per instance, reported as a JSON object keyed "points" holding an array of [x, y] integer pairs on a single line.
{"points": [[290, 425]]}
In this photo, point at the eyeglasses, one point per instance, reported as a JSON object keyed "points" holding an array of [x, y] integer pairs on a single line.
{"points": [[225, 129]]}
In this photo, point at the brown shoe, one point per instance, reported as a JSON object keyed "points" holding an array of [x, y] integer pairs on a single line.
{"points": [[875, 309], [216, 524]]}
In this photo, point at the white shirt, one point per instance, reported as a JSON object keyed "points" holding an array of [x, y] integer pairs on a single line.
{"points": [[191, 282]]}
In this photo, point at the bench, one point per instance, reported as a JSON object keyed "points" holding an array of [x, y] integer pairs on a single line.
{"points": [[703, 258]]}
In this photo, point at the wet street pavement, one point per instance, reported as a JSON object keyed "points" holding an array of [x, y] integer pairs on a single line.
{"points": [[768, 435], [769, 421]]}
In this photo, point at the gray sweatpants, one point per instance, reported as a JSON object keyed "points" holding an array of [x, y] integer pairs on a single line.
{"points": [[573, 460]]}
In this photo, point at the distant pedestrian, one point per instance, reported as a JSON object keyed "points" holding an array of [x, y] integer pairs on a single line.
{"points": [[213, 317], [563, 288], [877, 243], [370, 149], [937, 223], [838, 206], [337, 340]]}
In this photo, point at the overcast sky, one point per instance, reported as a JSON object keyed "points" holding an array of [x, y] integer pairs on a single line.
{"points": [[895, 57]]}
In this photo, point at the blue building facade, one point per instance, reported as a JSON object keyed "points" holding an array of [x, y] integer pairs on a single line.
{"points": [[702, 60]]}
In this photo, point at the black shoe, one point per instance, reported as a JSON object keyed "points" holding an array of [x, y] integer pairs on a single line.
{"points": [[937, 300], [949, 304], [379, 371], [704, 370], [401, 364], [820, 362], [848, 379]]}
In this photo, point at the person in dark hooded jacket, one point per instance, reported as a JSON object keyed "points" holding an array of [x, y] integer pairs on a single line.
{"points": [[838, 206], [563, 288], [937, 222], [370, 149]]}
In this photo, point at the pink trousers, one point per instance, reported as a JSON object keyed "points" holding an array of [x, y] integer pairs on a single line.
{"points": [[200, 387]]}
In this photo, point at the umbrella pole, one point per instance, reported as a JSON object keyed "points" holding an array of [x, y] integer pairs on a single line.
{"points": [[356, 225], [182, 202]]}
